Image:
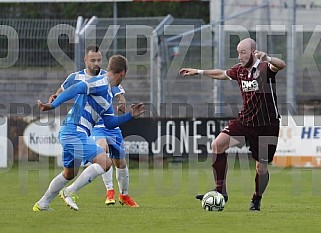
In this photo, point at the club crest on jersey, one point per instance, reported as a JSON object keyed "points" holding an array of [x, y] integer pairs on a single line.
{"points": [[256, 74], [250, 85]]}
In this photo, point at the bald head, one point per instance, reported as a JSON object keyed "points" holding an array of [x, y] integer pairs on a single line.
{"points": [[246, 50], [247, 43]]}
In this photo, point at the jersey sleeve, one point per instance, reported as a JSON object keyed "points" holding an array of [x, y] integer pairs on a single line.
{"points": [[70, 80], [116, 90], [110, 111], [232, 72], [112, 122], [70, 92]]}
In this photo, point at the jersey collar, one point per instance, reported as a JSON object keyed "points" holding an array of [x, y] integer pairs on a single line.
{"points": [[254, 67]]}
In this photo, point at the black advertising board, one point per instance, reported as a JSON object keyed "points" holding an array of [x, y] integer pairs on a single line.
{"points": [[171, 136]]}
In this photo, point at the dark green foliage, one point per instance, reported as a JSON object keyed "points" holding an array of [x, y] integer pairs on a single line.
{"points": [[197, 9]]}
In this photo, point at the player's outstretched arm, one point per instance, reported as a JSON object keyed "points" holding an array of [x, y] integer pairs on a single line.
{"points": [[44, 106], [54, 96], [137, 109], [276, 63], [69, 93], [111, 121], [188, 72], [214, 74]]}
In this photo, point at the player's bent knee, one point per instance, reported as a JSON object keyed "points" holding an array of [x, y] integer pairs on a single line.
{"points": [[261, 169], [120, 163], [106, 164], [69, 175], [217, 148], [103, 160]]}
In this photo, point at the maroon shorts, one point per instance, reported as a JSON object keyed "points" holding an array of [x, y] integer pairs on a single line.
{"points": [[262, 139]]}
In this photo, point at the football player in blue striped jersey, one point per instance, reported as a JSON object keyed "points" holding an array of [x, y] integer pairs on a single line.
{"points": [[93, 100], [111, 140]]}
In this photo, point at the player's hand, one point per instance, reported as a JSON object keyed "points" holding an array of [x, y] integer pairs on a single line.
{"points": [[44, 107], [261, 55], [121, 107], [52, 98], [188, 72], [137, 109]]}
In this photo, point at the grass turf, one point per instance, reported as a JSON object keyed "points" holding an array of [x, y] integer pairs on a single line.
{"points": [[292, 202]]}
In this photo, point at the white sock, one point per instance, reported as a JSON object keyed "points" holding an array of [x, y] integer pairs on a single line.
{"points": [[86, 177], [55, 186], [123, 180], [108, 178]]}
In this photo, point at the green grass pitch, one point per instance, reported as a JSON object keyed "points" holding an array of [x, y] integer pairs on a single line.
{"points": [[166, 197]]}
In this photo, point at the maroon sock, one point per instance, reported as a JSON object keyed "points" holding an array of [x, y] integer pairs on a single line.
{"points": [[219, 172], [261, 182]]}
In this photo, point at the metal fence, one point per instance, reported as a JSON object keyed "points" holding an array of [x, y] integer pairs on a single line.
{"points": [[25, 42], [153, 71], [156, 47]]}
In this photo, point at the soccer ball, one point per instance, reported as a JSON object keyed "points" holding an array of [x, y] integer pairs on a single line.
{"points": [[213, 201]]}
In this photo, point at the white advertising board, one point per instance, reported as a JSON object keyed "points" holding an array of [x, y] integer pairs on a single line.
{"points": [[301, 137], [3, 142], [299, 142], [41, 136]]}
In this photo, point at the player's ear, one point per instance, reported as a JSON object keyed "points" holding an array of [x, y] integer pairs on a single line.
{"points": [[254, 51]]}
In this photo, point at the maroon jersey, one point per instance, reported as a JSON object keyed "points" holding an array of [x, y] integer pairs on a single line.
{"points": [[258, 93]]}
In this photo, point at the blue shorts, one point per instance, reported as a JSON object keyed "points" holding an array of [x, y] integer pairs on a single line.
{"points": [[114, 139], [77, 148]]}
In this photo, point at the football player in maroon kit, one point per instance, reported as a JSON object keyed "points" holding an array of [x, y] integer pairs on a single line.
{"points": [[257, 122]]}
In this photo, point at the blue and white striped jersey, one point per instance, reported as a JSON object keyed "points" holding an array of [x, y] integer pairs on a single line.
{"points": [[93, 99], [83, 76], [116, 90]]}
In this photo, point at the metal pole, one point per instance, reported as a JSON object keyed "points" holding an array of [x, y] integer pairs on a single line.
{"points": [[219, 62], [154, 98], [78, 43], [115, 15], [291, 45], [156, 90]]}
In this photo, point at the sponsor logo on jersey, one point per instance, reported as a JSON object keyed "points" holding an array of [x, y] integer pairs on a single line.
{"points": [[250, 85]]}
